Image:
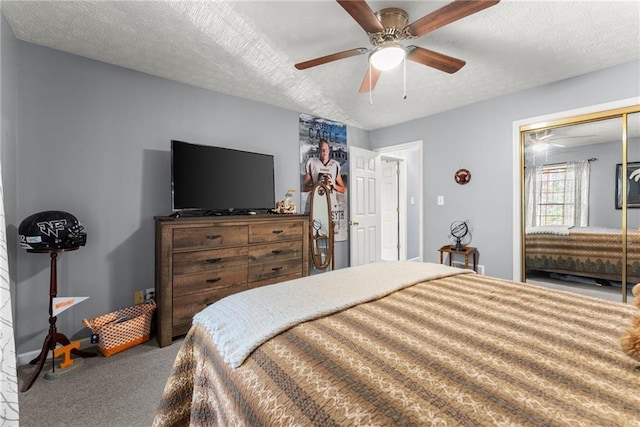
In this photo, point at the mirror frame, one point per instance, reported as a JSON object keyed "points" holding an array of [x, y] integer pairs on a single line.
{"points": [[321, 191], [621, 112]]}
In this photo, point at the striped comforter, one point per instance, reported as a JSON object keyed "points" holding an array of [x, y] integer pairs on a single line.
{"points": [[588, 251], [459, 350]]}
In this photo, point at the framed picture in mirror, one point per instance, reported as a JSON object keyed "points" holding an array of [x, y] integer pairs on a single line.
{"points": [[633, 185]]}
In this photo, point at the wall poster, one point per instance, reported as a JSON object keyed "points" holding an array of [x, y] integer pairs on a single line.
{"points": [[633, 185], [324, 156]]}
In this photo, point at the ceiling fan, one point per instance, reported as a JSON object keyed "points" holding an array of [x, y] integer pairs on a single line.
{"points": [[540, 140], [387, 27]]}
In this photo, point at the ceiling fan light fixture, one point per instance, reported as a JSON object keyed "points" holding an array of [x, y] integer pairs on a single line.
{"points": [[387, 57], [539, 146]]}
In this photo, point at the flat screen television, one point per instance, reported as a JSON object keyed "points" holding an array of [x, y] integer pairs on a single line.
{"points": [[220, 180]]}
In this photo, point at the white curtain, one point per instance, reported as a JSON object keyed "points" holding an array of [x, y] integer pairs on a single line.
{"points": [[532, 178], [8, 373], [580, 192], [576, 193]]}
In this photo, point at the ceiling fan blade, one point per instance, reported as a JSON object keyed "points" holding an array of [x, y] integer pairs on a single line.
{"points": [[370, 84], [329, 58], [440, 61], [573, 137], [362, 13], [448, 14]]}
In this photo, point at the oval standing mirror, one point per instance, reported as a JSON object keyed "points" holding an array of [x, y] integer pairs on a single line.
{"points": [[321, 227]]}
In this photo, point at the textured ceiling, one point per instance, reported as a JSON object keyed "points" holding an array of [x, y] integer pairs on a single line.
{"points": [[249, 48]]}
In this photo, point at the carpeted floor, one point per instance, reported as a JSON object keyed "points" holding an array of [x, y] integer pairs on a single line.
{"points": [[581, 286], [120, 390]]}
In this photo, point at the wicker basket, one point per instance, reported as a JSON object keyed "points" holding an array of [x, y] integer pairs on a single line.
{"points": [[122, 329]]}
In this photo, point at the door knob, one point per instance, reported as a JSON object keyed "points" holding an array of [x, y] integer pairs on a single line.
{"points": [[354, 223]]}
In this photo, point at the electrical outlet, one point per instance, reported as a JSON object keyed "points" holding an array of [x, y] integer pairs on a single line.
{"points": [[149, 294], [138, 297]]}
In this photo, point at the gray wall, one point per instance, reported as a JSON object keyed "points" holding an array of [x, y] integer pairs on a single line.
{"points": [[479, 137], [94, 141]]}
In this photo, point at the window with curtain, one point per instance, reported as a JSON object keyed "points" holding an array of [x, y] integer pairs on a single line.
{"points": [[558, 194], [554, 207]]}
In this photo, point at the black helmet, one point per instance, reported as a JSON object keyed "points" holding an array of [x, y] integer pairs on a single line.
{"points": [[51, 230]]}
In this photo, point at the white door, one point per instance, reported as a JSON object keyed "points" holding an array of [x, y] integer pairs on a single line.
{"points": [[390, 209], [364, 206]]}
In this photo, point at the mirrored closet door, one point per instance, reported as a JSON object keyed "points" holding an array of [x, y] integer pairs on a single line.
{"points": [[580, 218]]}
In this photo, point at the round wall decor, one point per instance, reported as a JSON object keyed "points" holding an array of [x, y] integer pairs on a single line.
{"points": [[462, 176]]}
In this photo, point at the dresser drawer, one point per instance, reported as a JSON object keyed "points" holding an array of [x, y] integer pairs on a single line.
{"points": [[214, 259], [185, 307], [209, 237], [273, 232], [274, 269], [272, 280], [275, 251], [205, 281]]}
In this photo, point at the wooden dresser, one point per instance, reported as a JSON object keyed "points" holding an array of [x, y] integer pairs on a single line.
{"points": [[200, 260]]}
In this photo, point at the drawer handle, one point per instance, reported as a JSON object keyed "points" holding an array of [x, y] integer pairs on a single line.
{"points": [[276, 268], [213, 260], [277, 231], [213, 236], [276, 251], [217, 279]]}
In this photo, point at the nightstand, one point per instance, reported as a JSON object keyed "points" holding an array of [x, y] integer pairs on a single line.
{"points": [[466, 251]]}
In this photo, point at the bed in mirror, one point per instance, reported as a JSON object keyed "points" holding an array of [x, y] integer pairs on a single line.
{"points": [[321, 235]]}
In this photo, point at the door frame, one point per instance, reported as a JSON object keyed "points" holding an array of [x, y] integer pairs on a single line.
{"points": [[394, 152]]}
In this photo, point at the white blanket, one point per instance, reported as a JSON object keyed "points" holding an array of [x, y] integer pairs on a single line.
{"points": [[561, 230], [239, 323]]}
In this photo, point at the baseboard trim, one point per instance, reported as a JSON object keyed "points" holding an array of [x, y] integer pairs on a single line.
{"points": [[24, 358], [460, 264]]}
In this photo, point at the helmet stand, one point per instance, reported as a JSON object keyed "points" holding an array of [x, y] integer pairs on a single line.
{"points": [[54, 337]]}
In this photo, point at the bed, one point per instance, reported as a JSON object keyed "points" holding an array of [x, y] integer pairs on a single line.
{"points": [[594, 252], [404, 343]]}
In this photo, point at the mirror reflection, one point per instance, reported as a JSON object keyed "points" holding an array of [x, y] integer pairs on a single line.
{"points": [[573, 223], [321, 228]]}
